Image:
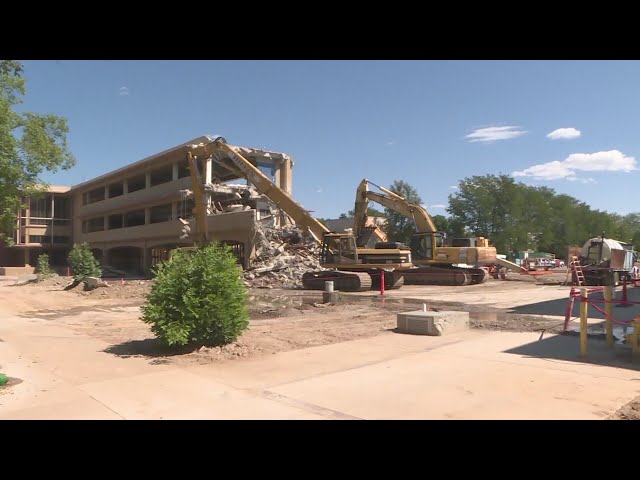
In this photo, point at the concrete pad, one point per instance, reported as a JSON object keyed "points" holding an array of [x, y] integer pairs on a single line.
{"points": [[442, 384], [285, 367], [177, 394], [559, 352], [73, 357], [419, 322], [84, 408]]}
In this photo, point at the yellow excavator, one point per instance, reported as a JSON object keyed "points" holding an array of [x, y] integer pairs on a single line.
{"points": [[434, 262], [349, 267]]}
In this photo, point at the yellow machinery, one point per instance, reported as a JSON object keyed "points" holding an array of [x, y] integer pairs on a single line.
{"points": [[351, 268], [435, 263]]}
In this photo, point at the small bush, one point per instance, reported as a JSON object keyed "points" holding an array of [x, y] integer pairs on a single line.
{"points": [[43, 270], [83, 263], [198, 298]]}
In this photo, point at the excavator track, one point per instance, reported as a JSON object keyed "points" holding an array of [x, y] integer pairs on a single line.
{"points": [[444, 276], [392, 279], [342, 281], [478, 275]]}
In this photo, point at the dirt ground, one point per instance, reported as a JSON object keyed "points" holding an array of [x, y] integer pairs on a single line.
{"points": [[280, 320]]}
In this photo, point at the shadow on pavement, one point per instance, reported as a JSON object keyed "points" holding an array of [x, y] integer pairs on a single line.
{"points": [[566, 347], [558, 307], [149, 347]]}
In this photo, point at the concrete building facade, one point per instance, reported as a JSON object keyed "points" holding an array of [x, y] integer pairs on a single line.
{"points": [[130, 216]]}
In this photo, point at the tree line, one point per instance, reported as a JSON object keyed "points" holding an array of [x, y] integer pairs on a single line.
{"points": [[515, 216]]}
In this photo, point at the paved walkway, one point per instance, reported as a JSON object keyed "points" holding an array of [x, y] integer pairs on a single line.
{"points": [[470, 375]]}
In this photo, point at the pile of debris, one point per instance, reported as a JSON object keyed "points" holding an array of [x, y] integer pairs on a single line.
{"points": [[283, 255]]}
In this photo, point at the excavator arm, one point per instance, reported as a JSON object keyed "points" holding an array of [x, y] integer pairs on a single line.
{"points": [[263, 184], [393, 201]]}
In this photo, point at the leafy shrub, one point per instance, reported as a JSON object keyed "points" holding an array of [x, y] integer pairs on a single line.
{"points": [[198, 298], [43, 269], [83, 263]]}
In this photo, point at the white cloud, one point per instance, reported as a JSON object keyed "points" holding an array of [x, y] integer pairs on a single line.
{"points": [[491, 134], [610, 161], [319, 190], [581, 180], [438, 205], [453, 187], [124, 91], [564, 133], [392, 142]]}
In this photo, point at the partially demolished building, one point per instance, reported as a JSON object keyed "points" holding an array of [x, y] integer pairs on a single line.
{"points": [[130, 216]]}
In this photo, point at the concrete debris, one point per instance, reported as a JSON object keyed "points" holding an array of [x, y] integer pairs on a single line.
{"points": [[283, 255], [94, 282], [26, 278]]}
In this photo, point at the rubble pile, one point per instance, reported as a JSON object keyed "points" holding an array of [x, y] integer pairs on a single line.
{"points": [[282, 257]]}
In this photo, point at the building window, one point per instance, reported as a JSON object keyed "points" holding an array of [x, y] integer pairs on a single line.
{"points": [[116, 221], [183, 169], [36, 238], [41, 207], [185, 208], [116, 189], [137, 183], [61, 207], [160, 213], [95, 224], [93, 196], [161, 175], [134, 218]]}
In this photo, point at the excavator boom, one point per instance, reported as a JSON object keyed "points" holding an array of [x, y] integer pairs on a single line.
{"points": [[264, 185]]}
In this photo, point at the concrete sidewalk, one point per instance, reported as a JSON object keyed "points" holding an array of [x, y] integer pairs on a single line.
{"points": [[468, 375]]}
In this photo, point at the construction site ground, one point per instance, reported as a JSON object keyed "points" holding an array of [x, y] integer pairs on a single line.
{"points": [[76, 354]]}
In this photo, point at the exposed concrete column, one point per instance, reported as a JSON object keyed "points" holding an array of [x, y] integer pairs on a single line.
{"points": [[105, 222], [147, 177], [26, 257], [125, 187], [27, 217], [106, 192], [174, 210], [105, 257], [147, 216], [208, 170], [285, 175], [174, 172]]}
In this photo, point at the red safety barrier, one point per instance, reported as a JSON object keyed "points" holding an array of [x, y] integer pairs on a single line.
{"points": [[382, 283], [68, 271]]}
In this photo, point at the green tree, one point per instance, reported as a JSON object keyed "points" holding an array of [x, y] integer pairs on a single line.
{"points": [[198, 298], [30, 144], [400, 228], [83, 263], [371, 212], [441, 222], [44, 269]]}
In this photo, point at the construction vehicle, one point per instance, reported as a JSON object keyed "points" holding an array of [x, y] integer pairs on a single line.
{"points": [[349, 267], [604, 261], [435, 263]]}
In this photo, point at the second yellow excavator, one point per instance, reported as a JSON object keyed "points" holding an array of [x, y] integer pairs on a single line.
{"points": [[434, 262]]}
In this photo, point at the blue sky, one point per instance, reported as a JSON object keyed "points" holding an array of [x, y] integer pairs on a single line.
{"points": [[570, 125]]}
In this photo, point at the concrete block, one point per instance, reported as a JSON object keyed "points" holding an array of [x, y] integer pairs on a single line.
{"points": [[420, 322], [330, 297]]}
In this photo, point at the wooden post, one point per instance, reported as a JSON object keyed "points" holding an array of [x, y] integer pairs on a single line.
{"points": [[584, 306], [608, 308]]}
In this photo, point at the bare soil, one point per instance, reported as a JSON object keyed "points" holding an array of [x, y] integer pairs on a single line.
{"points": [[280, 320]]}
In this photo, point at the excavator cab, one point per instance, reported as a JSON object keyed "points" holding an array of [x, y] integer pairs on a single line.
{"points": [[338, 248], [424, 245]]}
